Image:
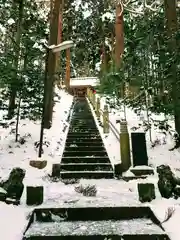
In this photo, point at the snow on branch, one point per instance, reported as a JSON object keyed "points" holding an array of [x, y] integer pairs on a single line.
{"points": [[134, 7]]}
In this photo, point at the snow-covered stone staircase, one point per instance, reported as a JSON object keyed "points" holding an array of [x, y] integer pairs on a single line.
{"points": [[84, 155]]}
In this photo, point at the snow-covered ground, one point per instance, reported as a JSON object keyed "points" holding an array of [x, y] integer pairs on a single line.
{"points": [[109, 192], [159, 154]]}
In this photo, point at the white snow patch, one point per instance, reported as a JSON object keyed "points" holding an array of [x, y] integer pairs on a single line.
{"points": [[108, 16], [2, 29], [10, 21]]}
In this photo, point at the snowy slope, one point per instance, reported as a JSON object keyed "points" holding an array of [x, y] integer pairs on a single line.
{"points": [[109, 192]]}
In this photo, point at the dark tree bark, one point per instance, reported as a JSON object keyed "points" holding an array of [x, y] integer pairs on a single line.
{"points": [[172, 26], [13, 87], [54, 38], [119, 31]]}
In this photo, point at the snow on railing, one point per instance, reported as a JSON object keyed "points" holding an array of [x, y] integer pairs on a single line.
{"points": [[122, 135], [103, 115]]}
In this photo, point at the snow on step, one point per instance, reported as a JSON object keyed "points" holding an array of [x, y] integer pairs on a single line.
{"points": [[81, 228]]}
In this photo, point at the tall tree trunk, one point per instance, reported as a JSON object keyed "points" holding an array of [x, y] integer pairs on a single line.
{"points": [[13, 87], [60, 27], [52, 60], [172, 26], [68, 67], [119, 32]]}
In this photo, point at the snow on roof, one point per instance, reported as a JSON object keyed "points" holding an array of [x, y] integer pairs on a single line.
{"points": [[84, 81]]}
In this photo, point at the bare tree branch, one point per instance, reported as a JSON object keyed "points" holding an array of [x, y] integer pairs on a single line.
{"points": [[151, 7], [131, 6]]}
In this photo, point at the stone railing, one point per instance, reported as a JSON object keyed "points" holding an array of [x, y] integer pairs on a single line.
{"points": [[122, 134]]}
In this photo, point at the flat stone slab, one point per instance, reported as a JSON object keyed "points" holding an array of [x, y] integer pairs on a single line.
{"points": [[85, 144], [130, 178], [40, 164], [142, 170], [84, 153], [98, 159], [84, 140], [87, 174], [131, 223], [80, 228], [86, 166], [83, 148]]}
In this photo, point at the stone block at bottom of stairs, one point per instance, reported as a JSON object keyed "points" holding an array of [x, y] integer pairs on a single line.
{"points": [[118, 170], [34, 195], [40, 164], [12, 201], [56, 168], [142, 170], [146, 192], [3, 194]]}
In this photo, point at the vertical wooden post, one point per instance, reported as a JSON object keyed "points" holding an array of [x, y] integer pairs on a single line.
{"points": [[98, 106], [93, 100], [90, 95], [68, 68], [119, 32], [106, 119], [87, 93], [124, 146]]}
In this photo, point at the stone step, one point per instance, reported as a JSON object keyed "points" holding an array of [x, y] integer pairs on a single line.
{"points": [[83, 130], [85, 109], [84, 124], [96, 230], [85, 144], [78, 140], [86, 167], [83, 127], [87, 174], [85, 149], [96, 213], [78, 118], [95, 223], [82, 115], [94, 160], [84, 135], [84, 153], [84, 139], [82, 121]]}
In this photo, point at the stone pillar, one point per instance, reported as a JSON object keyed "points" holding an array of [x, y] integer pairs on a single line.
{"points": [[139, 150], [124, 146]]}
